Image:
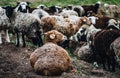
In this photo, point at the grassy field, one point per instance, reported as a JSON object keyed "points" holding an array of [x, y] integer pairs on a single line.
{"points": [[34, 3]]}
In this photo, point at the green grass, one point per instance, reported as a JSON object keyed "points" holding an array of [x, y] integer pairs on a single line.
{"points": [[35, 3]]}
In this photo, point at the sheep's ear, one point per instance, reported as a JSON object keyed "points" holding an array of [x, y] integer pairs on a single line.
{"points": [[28, 2], [18, 3], [52, 36]]}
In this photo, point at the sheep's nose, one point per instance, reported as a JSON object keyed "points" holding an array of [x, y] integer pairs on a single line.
{"points": [[83, 30], [24, 10]]}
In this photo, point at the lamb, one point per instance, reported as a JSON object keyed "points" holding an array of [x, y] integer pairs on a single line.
{"points": [[4, 25], [54, 36], [101, 44], [26, 24]]}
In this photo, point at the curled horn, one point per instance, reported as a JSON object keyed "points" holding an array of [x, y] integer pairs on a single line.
{"points": [[52, 36]]}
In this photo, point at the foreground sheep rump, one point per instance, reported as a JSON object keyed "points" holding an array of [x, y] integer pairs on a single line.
{"points": [[50, 59]]}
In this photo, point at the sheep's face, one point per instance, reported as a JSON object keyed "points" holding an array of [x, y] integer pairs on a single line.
{"points": [[93, 19], [84, 20], [9, 10], [54, 36], [55, 9], [23, 6]]}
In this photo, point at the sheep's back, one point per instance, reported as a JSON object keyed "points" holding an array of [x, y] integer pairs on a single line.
{"points": [[24, 20]]}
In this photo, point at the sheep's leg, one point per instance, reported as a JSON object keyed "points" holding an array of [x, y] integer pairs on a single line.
{"points": [[109, 63], [40, 42], [113, 63], [7, 36], [0, 38], [103, 61], [23, 39], [17, 40]]}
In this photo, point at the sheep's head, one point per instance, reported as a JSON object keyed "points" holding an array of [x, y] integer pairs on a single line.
{"points": [[9, 10], [54, 36], [84, 20], [23, 6], [113, 23], [93, 19]]}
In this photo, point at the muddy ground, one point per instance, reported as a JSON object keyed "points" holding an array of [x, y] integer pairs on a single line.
{"points": [[14, 63]]}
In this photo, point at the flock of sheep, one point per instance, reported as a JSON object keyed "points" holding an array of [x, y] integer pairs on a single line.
{"points": [[87, 29]]}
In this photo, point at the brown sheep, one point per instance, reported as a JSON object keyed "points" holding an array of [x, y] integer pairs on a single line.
{"points": [[54, 36], [50, 59], [67, 26]]}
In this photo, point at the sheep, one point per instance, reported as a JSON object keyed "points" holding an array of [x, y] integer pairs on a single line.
{"points": [[115, 47], [54, 36], [90, 33], [53, 10], [40, 13], [101, 44], [50, 60], [79, 49], [26, 24], [112, 10], [93, 8], [67, 26], [4, 25], [79, 10], [84, 53], [41, 6], [81, 34], [68, 13], [100, 21]]}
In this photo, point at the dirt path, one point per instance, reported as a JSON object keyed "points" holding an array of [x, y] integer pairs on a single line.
{"points": [[14, 63]]}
